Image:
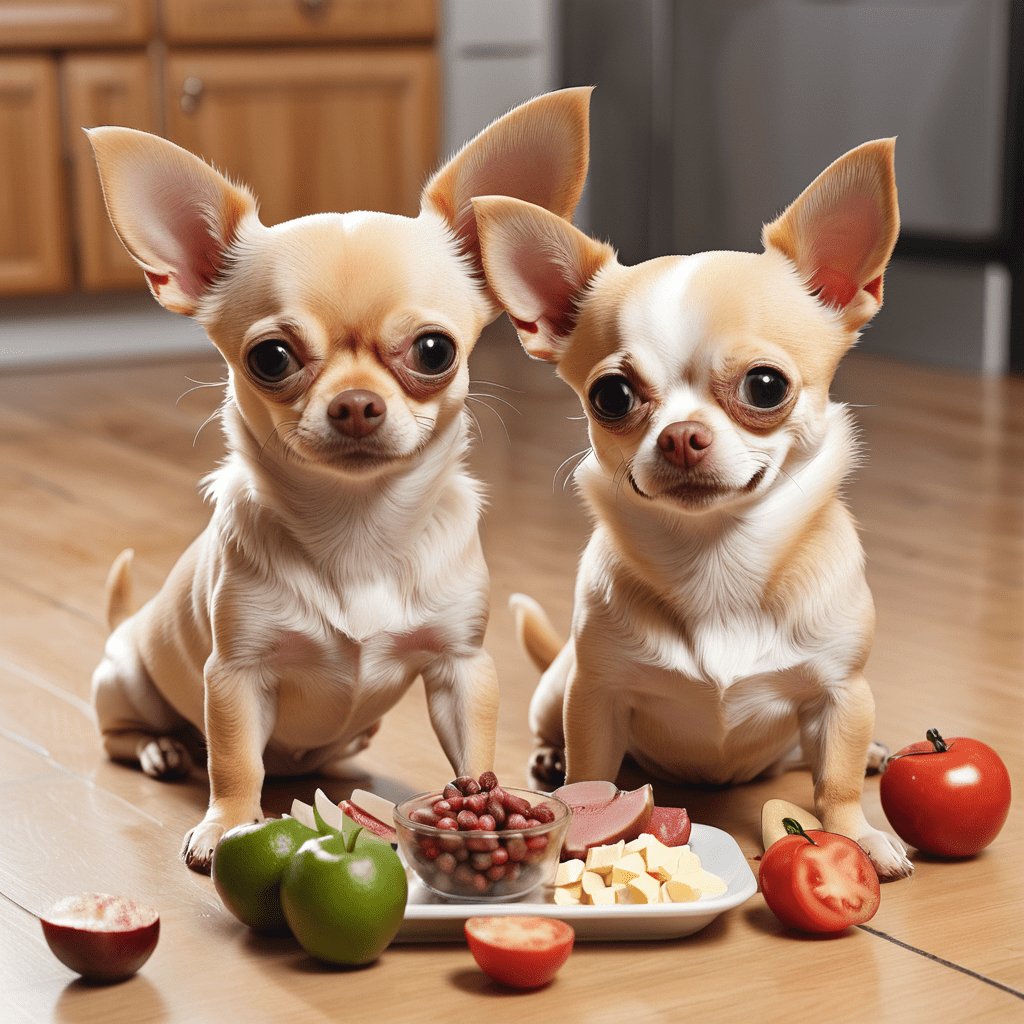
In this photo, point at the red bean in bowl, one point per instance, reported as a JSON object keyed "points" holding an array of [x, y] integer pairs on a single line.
{"points": [[500, 853]]}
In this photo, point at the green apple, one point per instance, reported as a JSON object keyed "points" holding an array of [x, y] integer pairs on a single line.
{"points": [[248, 863], [344, 896]]}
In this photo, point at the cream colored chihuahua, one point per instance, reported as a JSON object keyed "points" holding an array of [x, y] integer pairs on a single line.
{"points": [[342, 560], [722, 617]]}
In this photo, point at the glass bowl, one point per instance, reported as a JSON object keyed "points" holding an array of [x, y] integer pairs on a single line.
{"points": [[484, 865]]}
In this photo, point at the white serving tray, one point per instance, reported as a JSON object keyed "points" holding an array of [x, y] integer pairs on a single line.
{"points": [[428, 918]]}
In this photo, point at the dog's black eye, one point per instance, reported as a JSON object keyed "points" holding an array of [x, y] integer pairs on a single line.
{"points": [[611, 398], [764, 387], [273, 361], [432, 353]]}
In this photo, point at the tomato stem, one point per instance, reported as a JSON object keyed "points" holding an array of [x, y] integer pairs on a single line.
{"points": [[936, 740], [794, 828]]}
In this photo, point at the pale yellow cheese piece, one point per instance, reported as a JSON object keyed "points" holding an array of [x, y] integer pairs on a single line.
{"points": [[689, 863], [706, 883], [678, 892], [662, 861], [628, 868], [604, 897], [644, 889], [592, 883], [623, 894], [565, 897], [602, 858], [640, 844], [569, 872], [574, 889]]}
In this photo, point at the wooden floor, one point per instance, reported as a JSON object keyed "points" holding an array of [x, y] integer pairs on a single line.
{"points": [[92, 461]]}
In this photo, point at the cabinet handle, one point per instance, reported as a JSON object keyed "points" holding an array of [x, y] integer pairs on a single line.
{"points": [[191, 93]]}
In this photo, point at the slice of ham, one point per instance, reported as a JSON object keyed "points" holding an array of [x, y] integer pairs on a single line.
{"points": [[603, 814]]}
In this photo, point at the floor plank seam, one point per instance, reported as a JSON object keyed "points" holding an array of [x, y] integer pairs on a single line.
{"points": [[943, 961]]}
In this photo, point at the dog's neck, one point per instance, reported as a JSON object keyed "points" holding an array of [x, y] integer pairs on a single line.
{"points": [[720, 562], [363, 524]]}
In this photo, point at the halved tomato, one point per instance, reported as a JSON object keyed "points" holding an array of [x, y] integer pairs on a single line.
{"points": [[818, 881], [520, 951]]}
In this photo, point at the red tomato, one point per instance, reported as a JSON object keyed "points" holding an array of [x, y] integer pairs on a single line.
{"points": [[818, 881], [947, 797], [524, 952]]}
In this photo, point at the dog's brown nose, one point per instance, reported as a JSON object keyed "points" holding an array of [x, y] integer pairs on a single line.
{"points": [[685, 443], [357, 413]]}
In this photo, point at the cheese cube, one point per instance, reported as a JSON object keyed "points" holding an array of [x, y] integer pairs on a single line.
{"points": [[640, 844], [574, 889], [644, 889], [678, 892], [706, 883], [689, 863], [623, 894], [568, 872], [564, 897], [592, 883], [629, 868], [604, 897], [662, 861], [602, 858]]}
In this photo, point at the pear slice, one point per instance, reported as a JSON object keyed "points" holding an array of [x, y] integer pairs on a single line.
{"points": [[772, 814]]}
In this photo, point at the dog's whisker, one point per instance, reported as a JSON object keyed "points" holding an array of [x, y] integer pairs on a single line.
{"points": [[209, 419], [772, 461], [286, 424], [476, 423], [480, 396], [580, 456], [480, 401], [199, 385], [495, 384]]}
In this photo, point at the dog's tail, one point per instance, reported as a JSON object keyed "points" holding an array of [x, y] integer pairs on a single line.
{"points": [[120, 596], [535, 632]]}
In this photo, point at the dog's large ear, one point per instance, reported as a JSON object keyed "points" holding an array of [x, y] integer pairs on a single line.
{"points": [[175, 214], [537, 152], [538, 266], [841, 231]]}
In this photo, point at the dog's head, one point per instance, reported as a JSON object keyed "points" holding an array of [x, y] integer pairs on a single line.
{"points": [[346, 335], [700, 374]]}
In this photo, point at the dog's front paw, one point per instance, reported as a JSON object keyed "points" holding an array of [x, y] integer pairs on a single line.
{"points": [[878, 758], [165, 758], [887, 854], [547, 768], [199, 844]]}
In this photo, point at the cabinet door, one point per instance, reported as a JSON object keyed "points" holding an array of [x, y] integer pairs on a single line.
{"points": [[102, 89], [33, 225], [311, 130]]}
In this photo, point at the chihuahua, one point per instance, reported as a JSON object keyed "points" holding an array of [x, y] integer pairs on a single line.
{"points": [[722, 618], [342, 560]]}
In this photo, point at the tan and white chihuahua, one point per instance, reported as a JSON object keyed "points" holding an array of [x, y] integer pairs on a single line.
{"points": [[342, 560], [722, 618]]}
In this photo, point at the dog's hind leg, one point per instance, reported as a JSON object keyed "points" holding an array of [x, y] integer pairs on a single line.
{"points": [[546, 766], [136, 723]]}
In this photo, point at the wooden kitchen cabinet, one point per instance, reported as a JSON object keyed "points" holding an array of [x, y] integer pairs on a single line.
{"points": [[294, 21], [34, 239], [318, 105], [99, 89], [311, 130]]}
